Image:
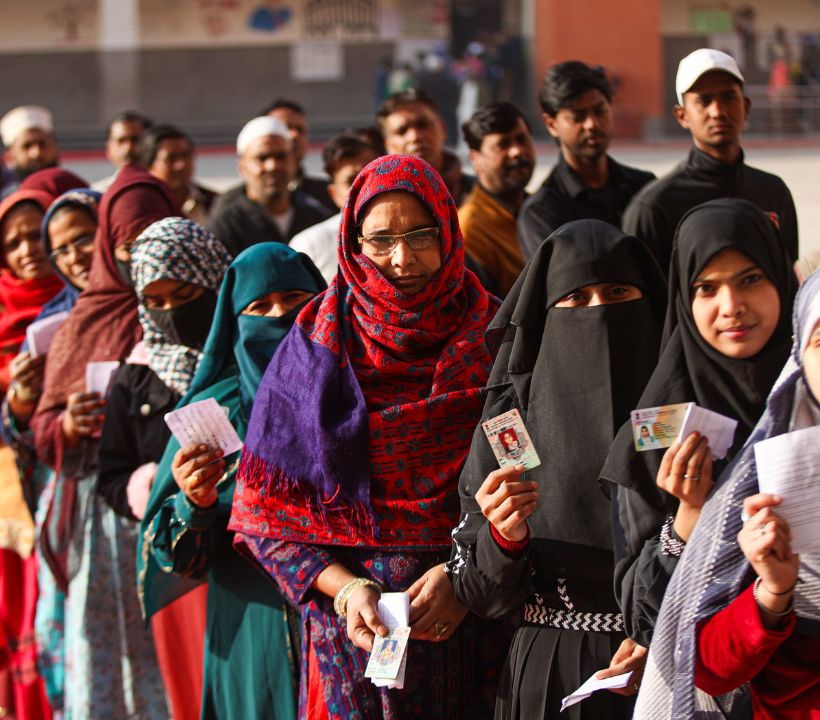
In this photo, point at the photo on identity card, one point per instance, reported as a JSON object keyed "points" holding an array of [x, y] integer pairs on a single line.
{"points": [[510, 441], [656, 428]]}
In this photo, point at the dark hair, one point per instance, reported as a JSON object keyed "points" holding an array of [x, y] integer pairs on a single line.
{"points": [[128, 116], [345, 145], [567, 81], [400, 99], [153, 137], [497, 117], [373, 136], [283, 103]]}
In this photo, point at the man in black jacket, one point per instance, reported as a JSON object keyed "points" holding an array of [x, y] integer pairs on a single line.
{"points": [[712, 107], [586, 182], [264, 209]]}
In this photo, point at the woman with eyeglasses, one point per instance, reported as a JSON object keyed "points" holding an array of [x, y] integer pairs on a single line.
{"points": [[348, 483]]}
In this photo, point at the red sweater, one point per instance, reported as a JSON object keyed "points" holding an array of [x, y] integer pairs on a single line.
{"points": [[734, 647]]}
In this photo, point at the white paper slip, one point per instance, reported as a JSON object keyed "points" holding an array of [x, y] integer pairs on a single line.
{"points": [[592, 686], [394, 610], [40, 333], [98, 376], [789, 465], [204, 423], [719, 429]]}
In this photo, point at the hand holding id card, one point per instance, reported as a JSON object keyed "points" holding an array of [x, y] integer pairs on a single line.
{"points": [[510, 441], [658, 427]]}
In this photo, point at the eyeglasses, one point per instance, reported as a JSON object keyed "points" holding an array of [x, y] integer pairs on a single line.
{"points": [[76, 246], [417, 240]]}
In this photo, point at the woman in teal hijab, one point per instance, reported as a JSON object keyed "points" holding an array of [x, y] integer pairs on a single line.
{"points": [[249, 663]]}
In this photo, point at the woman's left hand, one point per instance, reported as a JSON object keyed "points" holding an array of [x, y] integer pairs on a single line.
{"points": [[27, 375], [435, 613], [629, 657]]}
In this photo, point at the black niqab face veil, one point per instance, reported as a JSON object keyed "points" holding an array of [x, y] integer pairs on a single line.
{"points": [[574, 373]]}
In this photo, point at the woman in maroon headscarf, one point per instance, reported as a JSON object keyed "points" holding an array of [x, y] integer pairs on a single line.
{"points": [[104, 632]]}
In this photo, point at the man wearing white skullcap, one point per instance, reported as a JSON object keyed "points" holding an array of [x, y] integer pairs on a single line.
{"points": [[712, 107], [264, 209], [27, 133]]}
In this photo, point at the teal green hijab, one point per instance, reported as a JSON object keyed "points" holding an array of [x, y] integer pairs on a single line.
{"points": [[236, 355]]}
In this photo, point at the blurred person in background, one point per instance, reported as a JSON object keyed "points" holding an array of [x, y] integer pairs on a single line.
{"points": [[411, 125], [503, 157], [122, 145], [293, 115], [168, 154], [344, 156], [586, 182], [264, 209], [27, 133]]}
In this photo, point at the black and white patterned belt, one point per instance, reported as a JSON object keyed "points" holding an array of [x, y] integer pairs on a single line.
{"points": [[568, 618]]}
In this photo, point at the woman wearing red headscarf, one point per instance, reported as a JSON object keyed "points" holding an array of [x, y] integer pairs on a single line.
{"points": [[111, 667], [27, 282], [349, 480]]}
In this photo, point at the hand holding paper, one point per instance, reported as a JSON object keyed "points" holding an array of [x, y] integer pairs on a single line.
{"points": [[593, 685], [394, 610], [40, 334], [204, 423], [98, 376], [789, 466], [658, 427]]}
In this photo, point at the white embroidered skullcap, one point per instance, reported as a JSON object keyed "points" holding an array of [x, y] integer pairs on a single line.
{"points": [[260, 127], [22, 118]]}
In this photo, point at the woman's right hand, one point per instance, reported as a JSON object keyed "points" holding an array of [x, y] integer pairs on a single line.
{"points": [[197, 469], [363, 621], [766, 542], [82, 417], [507, 502]]}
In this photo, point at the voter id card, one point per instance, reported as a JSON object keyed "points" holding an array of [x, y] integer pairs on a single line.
{"points": [[510, 441]]}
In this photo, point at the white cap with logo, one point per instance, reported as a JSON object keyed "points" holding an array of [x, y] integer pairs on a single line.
{"points": [[261, 127], [22, 118], [699, 63]]}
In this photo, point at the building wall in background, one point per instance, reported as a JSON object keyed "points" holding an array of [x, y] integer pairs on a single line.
{"points": [[624, 37]]}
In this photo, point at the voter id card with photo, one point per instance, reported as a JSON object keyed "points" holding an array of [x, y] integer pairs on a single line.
{"points": [[510, 441]]}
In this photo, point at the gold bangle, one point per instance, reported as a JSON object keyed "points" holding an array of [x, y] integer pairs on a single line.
{"points": [[340, 601]]}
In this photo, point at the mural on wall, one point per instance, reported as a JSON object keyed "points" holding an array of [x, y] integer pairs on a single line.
{"points": [[340, 18], [49, 24], [167, 23]]}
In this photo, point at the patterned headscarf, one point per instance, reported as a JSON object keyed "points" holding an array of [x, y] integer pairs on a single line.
{"points": [[364, 416], [175, 249], [713, 571]]}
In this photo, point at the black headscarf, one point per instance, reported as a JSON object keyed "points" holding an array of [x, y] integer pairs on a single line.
{"points": [[574, 374], [691, 370]]}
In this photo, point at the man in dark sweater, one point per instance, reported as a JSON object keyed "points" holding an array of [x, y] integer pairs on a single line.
{"points": [[712, 107], [586, 182], [264, 209]]}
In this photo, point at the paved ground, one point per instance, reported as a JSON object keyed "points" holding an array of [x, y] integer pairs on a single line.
{"points": [[798, 165]]}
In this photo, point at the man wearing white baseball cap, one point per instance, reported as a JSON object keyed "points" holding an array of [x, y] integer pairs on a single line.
{"points": [[27, 132], [264, 209], [712, 107]]}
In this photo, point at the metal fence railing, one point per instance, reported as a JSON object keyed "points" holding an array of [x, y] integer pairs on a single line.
{"points": [[792, 111]]}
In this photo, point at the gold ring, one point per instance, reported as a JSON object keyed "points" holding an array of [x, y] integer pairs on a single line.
{"points": [[441, 629], [636, 686]]}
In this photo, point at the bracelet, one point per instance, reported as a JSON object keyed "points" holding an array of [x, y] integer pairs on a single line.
{"points": [[340, 601], [671, 546], [755, 595]]}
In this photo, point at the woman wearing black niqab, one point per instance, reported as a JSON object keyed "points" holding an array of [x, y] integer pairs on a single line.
{"points": [[574, 369], [693, 369]]}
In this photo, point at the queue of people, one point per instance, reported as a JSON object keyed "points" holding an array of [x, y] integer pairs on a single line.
{"points": [[359, 357]]}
